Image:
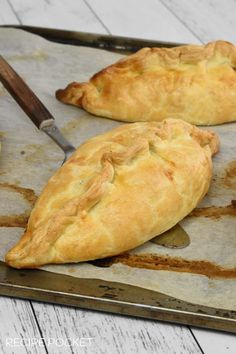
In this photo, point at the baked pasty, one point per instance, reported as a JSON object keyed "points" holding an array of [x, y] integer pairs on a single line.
{"points": [[193, 83], [117, 191]]}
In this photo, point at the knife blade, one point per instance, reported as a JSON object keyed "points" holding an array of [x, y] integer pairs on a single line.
{"points": [[176, 237]]}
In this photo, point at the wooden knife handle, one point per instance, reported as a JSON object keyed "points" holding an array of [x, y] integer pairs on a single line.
{"points": [[23, 95]]}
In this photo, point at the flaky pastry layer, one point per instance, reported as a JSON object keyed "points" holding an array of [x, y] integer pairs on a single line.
{"points": [[117, 191], [193, 83]]}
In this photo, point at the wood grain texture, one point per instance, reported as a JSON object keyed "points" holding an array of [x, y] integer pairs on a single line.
{"points": [[137, 18], [113, 334], [7, 15], [63, 14], [17, 325], [207, 19], [215, 342]]}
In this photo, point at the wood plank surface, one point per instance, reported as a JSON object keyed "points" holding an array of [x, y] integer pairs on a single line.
{"points": [[63, 14], [144, 19], [213, 342], [208, 19], [7, 15], [113, 334], [19, 331]]}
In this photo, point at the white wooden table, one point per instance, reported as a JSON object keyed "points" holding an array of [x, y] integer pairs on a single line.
{"points": [[23, 323]]}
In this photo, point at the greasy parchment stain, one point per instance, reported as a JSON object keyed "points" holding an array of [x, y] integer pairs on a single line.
{"points": [[19, 220], [35, 55], [34, 153], [176, 264], [230, 175], [75, 125], [215, 212]]}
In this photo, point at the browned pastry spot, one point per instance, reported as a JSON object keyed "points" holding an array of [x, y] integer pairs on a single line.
{"points": [[215, 212], [21, 219], [230, 175], [176, 264]]}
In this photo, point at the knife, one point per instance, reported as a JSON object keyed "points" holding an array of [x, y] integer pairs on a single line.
{"points": [[176, 237]]}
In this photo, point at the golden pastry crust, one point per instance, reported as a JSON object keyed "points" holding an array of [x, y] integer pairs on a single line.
{"points": [[117, 191], [193, 83]]}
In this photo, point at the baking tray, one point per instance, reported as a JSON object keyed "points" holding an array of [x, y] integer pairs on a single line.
{"points": [[98, 294]]}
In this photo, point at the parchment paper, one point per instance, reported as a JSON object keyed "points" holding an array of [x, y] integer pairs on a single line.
{"points": [[29, 158]]}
